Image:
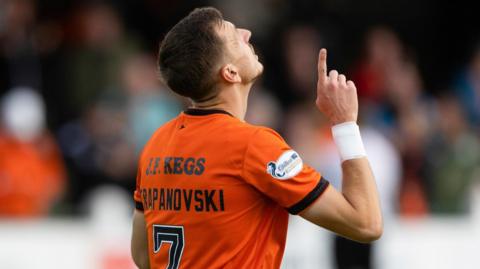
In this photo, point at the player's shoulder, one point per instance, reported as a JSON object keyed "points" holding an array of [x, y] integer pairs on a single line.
{"points": [[258, 133]]}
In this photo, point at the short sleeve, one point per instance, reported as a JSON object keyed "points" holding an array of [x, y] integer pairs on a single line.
{"points": [[278, 172], [137, 197]]}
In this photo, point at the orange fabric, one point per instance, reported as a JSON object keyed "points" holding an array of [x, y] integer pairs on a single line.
{"points": [[32, 176], [413, 202], [205, 177]]}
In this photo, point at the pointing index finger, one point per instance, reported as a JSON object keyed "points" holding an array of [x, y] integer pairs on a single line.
{"points": [[322, 65]]}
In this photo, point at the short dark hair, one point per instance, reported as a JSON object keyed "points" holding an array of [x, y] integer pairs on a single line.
{"points": [[190, 52]]}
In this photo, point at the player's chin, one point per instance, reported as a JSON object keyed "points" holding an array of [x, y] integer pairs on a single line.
{"points": [[259, 68], [258, 73]]}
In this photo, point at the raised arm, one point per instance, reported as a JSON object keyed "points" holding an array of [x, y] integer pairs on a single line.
{"points": [[355, 211]]}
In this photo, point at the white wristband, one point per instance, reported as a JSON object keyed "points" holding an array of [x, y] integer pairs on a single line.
{"points": [[348, 140]]}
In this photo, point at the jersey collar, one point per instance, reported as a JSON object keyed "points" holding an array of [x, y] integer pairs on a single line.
{"points": [[203, 112]]}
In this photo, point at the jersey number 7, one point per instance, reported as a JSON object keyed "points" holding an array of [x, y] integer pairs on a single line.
{"points": [[175, 237]]}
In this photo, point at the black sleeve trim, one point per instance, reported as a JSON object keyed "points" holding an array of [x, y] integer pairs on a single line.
{"points": [[311, 196], [139, 206]]}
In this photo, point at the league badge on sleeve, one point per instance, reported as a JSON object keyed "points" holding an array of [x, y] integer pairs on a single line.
{"points": [[288, 165]]}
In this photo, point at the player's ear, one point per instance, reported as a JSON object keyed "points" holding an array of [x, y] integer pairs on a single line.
{"points": [[229, 73]]}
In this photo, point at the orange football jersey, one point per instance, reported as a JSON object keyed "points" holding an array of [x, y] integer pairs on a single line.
{"points": [[216, 192]]}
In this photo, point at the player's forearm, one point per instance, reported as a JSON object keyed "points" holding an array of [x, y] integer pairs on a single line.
{"points": [[139, 241], [356, 211], [360, 190]]}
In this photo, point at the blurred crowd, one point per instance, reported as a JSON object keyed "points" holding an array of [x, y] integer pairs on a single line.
{"points": [[80, 96]]}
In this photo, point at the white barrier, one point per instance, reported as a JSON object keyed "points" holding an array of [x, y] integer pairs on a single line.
{"points": [[75, 244], [437, 242]]}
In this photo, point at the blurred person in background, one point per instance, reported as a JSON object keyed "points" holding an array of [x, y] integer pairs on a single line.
{"points": [[19, 59], [453, 159], [300, 48], [32, 173], [411, 111], [467, 88], [383, 52], [97, 47], [149, 103], [391, 91], [98, 150], [96, 140]]}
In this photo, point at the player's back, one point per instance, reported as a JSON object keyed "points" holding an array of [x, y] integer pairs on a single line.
{"points": [[199, 210]]}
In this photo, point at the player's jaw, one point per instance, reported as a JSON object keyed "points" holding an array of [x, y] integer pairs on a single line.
{"points": [[241, 52], [251, 68], [254, 68]]}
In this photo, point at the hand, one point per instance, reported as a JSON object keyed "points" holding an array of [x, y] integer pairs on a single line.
{"points": [[336, 97]]}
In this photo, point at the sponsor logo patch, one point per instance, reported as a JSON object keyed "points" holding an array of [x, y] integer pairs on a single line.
{"points": [[288, 165]]}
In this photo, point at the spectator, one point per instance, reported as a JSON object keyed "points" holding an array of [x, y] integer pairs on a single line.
{"points": [[149, 103], [467, 88], [453, 158], [32, 176], [411, 113], [98, 46], [19, 60], [98, 150], [383, 53], [301, 46]]}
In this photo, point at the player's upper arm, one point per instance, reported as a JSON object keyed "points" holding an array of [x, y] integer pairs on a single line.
{"points": [[278, 172], [139, 243], [272, 167], [335, 213]]}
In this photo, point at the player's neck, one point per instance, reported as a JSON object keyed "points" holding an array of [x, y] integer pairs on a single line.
{"points": [[231, 99]]}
